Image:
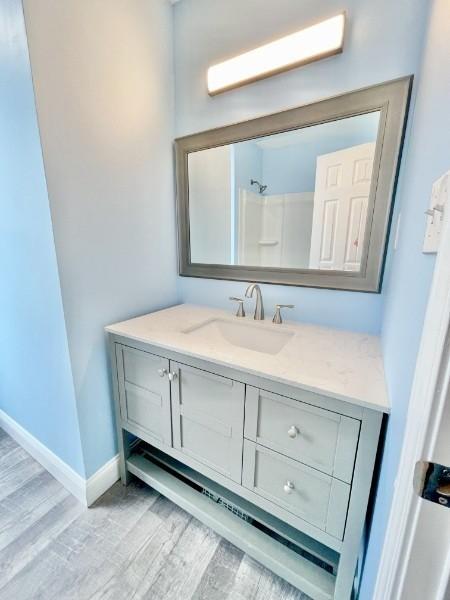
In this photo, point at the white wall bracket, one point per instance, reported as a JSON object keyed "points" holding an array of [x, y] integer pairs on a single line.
{"points": [[435, 213]]}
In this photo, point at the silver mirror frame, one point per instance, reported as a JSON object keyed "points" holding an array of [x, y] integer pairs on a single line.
{"points": [[392, 100]]}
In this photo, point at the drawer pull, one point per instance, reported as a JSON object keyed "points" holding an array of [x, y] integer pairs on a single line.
{"points": [[293, 431], [288, 487], [172, 376], [162, 372]]}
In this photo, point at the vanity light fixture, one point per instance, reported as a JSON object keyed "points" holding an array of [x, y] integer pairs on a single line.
{"points": [[307, 45]]}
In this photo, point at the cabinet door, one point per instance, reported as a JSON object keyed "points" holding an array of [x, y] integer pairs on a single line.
{"points": [[208, 418], [144, 392]]}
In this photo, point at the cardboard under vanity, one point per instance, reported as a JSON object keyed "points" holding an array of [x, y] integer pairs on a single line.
{"points": [[274, 449]]}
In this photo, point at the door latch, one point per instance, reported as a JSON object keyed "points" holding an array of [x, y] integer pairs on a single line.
{"points": [[432, 482]]}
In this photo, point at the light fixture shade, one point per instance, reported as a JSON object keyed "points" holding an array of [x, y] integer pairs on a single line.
{"points": [[318, 41]]}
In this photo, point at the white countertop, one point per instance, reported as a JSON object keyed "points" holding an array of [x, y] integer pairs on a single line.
{"points": [[336, 363]]}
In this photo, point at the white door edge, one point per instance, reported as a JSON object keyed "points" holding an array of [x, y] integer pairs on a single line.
{"points": [[425, 406], [444, 586]]}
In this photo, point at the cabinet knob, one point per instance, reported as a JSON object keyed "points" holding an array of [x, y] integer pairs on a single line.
{"points": [[293, 431], [172, 376], [162, 372], [288, 487]]}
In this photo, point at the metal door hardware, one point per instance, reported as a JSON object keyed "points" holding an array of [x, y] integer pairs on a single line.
{"points": [[277, 316], [432, 482], [240, 310]]}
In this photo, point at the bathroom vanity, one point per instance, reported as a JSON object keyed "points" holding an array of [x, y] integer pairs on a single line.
{"points": [[267, 433]]}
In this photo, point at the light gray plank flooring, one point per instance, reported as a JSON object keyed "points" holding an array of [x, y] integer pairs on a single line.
{"points": [[133, 544]]}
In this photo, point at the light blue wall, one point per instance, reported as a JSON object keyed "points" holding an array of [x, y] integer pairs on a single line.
{"points": [[36, 387], [408, 281], [376, 31], [247, 165], [105, 107], [311, 307], [382, 42], [293, 168]]}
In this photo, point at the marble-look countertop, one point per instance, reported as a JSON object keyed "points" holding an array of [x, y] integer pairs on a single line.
{"points": [[336, 363]]}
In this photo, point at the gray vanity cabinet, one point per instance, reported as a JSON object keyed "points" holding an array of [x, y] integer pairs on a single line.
{"points": [[297, 462], [208, 418], [144, 393]]}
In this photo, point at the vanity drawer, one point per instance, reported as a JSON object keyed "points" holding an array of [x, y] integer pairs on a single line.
{"points": [[144, 395], [316, 437], [208, 418], [300, 490]]}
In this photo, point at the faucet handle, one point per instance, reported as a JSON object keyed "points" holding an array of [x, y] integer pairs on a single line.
{"points": [[277, 316], [240, 310]]}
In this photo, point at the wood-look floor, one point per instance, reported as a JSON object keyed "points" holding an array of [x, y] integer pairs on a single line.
{"points": [[132, 544]]}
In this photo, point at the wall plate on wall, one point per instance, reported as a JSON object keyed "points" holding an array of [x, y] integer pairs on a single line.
{"points": [[440, 193]]}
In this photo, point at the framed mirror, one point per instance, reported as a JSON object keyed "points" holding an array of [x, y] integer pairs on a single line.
{"points": [[302, 197]]}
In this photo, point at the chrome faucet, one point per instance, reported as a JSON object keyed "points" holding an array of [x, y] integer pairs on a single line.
{"points": [[259, 308], [277, 316]]}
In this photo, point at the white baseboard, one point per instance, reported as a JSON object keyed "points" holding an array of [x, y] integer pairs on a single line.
{"points": [[102, 480], [85, 490]]}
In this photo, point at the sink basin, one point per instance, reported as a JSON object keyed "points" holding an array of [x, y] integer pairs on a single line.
{"points": [[252, 336]]}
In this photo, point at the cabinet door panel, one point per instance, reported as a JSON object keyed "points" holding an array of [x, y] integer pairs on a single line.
{"points": [[144, 394], [208, 418], [319, 438]]}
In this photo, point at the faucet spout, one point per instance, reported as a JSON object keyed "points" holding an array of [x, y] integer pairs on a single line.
{"points": [[259, 307]]}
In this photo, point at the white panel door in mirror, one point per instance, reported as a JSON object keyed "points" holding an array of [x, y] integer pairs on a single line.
{"points": [[341, 198]]}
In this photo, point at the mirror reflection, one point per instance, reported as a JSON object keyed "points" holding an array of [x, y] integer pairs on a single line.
{"points": [[296, 199]]}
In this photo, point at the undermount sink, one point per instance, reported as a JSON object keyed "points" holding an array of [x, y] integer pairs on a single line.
{"points": [[252, 336]]}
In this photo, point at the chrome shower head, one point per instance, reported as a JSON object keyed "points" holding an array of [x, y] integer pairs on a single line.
{"points": [[261, 188]]}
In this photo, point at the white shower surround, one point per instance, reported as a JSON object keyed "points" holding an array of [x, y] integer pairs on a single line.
{"points": [[275, 229]]}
